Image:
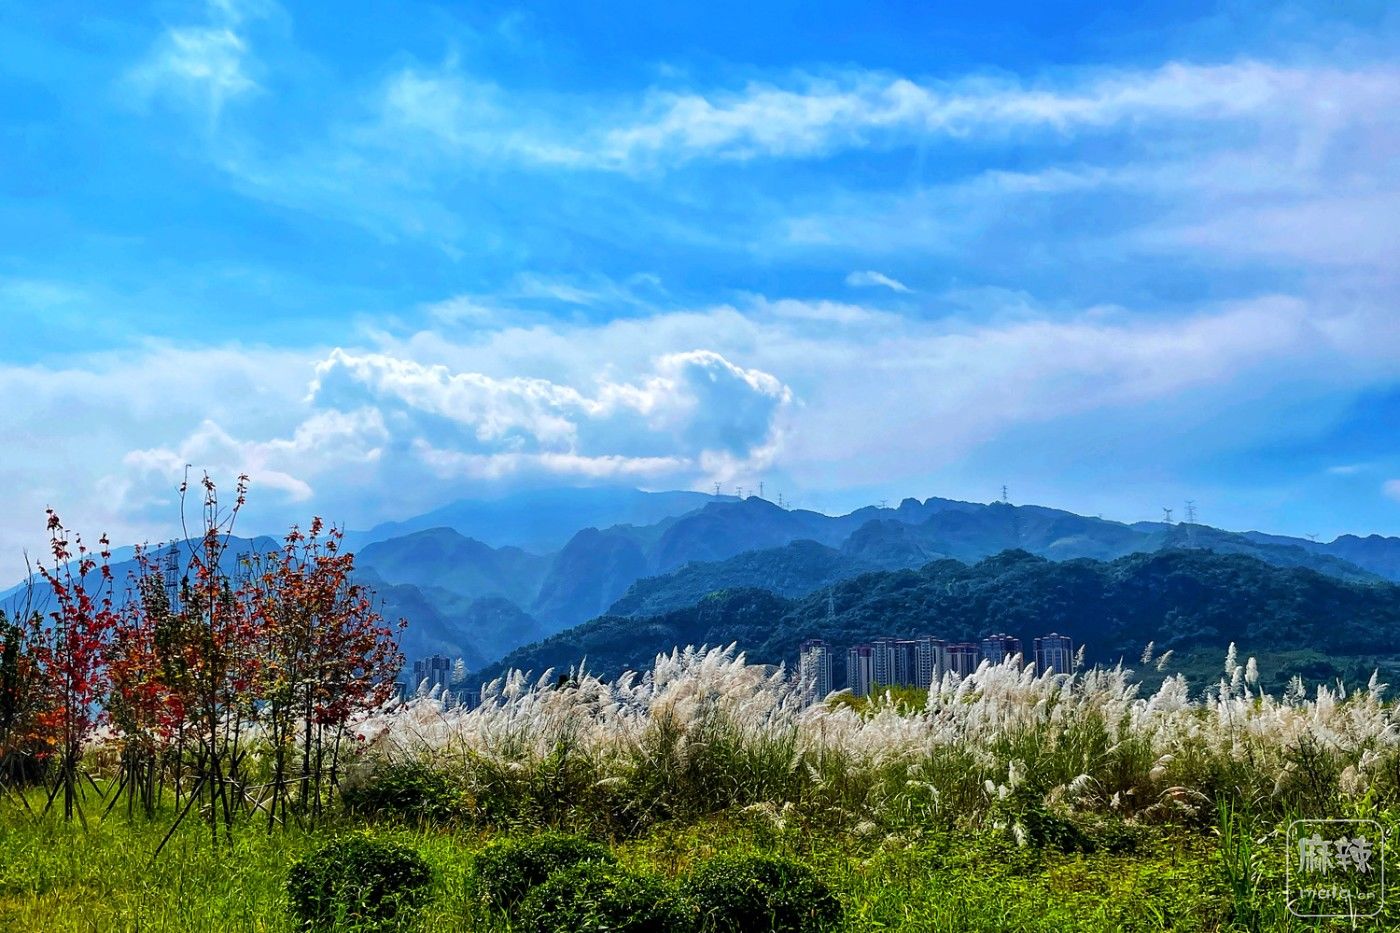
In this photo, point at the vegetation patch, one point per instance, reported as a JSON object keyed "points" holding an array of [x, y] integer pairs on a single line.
{"points": [[358, 882], [409, 790], [595, 897], [751, 893], [504, 872]]}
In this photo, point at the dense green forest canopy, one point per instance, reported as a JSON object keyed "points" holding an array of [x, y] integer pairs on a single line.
{"points": [[1183, 600]]}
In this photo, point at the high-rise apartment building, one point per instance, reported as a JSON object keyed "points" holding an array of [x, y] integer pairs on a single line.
{"points": [[906, 662], [963, 658], [814, 669], [997, 648], [860, 669], [1054, 653], [930, 660], [882, 662], [435, 671]]}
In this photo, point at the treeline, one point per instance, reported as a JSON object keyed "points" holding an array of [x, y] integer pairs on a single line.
{"points": [[1179, 599], [232, 688]]}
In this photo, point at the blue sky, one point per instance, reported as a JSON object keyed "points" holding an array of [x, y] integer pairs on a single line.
{"points": [[386, 256]]}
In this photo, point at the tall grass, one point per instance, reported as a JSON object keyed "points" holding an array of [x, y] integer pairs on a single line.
{"points": [[1006, 800], [705, 732]]}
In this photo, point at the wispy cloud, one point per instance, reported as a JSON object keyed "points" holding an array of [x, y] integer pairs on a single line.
{"points": [[872, 279], [201, 66]]}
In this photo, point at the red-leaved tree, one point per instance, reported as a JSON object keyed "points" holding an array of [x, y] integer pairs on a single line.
{"points": [[69, 652], [326, 653]]}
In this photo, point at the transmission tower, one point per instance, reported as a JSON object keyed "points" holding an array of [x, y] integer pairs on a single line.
{"points": [[883, 502], [1166, 515], [1191, 511], [172, 574], [1003, 493], [716, 490], [760, 489]]}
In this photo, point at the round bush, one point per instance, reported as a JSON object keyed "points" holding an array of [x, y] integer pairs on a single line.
{"points": [[596, 897], [745, 893], [407, 790], [505, 870], [357, 881]]}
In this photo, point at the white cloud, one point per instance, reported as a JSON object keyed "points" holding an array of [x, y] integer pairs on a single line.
{"points": [[860, 109], [81, 419], [397, 428], [1244, 158], [1392, 489], [202, 66], [690, 403], [872, 279]]}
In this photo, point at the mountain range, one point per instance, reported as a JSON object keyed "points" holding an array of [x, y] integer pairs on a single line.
{"points": [[479, 579], [1191, 602]]}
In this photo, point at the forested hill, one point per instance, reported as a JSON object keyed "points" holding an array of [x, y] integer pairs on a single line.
{"points": [[1179, 599]]}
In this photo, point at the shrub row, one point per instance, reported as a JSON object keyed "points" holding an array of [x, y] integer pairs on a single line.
{"points": [[555, 883]]}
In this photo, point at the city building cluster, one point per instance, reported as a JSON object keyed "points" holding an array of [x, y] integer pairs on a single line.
{"points": [[884, 662], [436, 672], [918, 662]]}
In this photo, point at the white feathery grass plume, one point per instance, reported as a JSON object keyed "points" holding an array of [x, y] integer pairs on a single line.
{"points": [[701, 693]]}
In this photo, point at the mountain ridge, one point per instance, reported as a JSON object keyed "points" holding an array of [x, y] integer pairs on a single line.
{"points": [[1183, 600]]}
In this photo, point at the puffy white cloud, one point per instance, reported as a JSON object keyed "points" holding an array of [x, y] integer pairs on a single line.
{"points": [[387, 430], [1392, 489], [692, 404], [80, 419]]}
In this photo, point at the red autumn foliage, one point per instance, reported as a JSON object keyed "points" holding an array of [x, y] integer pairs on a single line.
{"points": [[202, 655], [326, 652], [70, 647]]}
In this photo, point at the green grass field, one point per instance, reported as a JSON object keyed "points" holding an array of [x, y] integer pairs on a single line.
{"points": [[58, 877]]}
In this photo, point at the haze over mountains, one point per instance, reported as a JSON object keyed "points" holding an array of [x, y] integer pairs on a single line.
{"points": [[479, 579]]}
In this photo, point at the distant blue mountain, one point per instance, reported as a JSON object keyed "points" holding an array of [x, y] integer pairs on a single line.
{"points": [[124, 566], [477, 579], [447, 559], [542, 520]]}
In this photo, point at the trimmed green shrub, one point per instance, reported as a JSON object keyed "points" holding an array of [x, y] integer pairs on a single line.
{"points": [[506, 869], [750, 893], [597, 897], [358, 881], [407, 790]]}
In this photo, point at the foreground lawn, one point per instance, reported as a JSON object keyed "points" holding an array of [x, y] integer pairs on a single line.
{"points": [[57, 877]]}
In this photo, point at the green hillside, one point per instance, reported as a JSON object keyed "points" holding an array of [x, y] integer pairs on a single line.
{"points": [[1193, 602]]}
